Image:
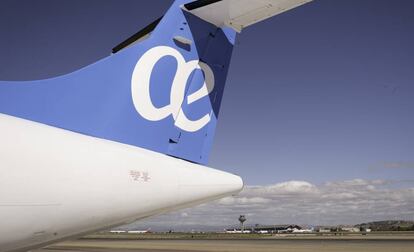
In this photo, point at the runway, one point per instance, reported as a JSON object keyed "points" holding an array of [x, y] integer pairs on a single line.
{"points": [[263, 245]]}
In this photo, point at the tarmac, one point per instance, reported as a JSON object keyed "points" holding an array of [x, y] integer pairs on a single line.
{"points": [[274, 244]]}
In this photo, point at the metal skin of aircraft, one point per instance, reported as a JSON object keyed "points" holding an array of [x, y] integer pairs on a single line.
{"points": [[127, 137]]}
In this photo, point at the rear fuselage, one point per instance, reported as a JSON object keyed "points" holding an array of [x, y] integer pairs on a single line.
{"points": [[56, 184]]}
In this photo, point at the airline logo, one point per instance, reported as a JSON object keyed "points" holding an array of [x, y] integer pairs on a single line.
{"points": [[140, 86]]}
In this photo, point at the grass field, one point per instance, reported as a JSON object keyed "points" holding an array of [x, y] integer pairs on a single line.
{"points": [[222, 236], [210, 242]]}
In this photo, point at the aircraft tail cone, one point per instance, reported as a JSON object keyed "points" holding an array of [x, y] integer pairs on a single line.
{"points": [[205, 184]]}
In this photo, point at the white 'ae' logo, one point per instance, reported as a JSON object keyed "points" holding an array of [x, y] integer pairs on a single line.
{"points": [[141, 88]]}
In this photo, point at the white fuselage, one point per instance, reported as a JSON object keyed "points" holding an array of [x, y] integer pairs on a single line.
{"points": [[56, 184]]}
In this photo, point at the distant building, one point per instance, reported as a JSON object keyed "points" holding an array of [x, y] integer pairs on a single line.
{"points": [[268, 229], [324, 230], [350, 229], [302, 231], [364, 229]]}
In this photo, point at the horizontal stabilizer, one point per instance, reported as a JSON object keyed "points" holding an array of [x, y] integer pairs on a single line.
{"points": [[239, 14]]}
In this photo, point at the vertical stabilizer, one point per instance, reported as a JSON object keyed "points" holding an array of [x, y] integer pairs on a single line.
{"points": [[161, 89]]}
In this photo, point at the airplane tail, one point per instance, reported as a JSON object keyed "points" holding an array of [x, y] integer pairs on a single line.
{"points": [[161, 89]]}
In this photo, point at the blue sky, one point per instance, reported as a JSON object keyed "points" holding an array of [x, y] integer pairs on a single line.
{"points": [[320, 95]]}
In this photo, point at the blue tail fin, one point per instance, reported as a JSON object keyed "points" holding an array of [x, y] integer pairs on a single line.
{"points": [[160, 90]]}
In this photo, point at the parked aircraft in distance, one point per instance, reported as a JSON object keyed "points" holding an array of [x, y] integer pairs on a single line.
{"points": [[237, 231], [127, 137], [139, 231]]}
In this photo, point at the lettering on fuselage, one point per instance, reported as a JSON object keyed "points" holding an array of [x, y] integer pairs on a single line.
{"points": [[140, 86], [139, 176]]}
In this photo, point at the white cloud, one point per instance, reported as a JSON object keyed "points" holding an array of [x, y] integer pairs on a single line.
{"points": [[243, 201], [300, 202], [290, 187]]}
